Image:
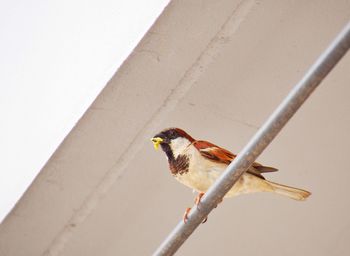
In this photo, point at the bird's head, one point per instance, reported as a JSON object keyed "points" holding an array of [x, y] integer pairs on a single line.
{"points": [[172, 140]]}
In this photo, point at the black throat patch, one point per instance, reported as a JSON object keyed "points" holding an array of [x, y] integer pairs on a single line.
{"points": [[178, 165]]}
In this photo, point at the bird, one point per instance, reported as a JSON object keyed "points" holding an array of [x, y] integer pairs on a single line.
{"points": [[198, 163]]}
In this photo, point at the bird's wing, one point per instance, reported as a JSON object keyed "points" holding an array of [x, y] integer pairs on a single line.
{"points": [[262, 168], [213, 152], [221, 155]]}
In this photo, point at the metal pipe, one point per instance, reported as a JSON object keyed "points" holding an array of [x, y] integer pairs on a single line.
{"points": [[259, 142]]}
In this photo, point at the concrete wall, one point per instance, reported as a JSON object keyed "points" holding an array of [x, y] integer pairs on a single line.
{"points": [[216, 69]]}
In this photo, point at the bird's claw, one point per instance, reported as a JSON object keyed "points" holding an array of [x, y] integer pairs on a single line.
{"points": [[197, 200], [185, 217]]}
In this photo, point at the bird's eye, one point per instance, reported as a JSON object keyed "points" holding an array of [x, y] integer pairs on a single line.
{"points": [[172, 134]]}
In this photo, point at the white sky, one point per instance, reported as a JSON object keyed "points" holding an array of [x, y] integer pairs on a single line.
{"points": [[55, 57]]}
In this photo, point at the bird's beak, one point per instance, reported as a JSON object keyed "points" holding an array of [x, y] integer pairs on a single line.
{"points": [[156, 142]]}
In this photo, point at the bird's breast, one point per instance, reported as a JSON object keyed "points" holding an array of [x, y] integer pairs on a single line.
{"points": [[201, 173], [180, 165]]}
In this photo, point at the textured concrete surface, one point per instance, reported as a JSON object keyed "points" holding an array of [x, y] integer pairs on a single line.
{"points": [[216, 69]]}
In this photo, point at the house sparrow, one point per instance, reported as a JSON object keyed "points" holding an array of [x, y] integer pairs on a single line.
{"points": [[197, 164]]}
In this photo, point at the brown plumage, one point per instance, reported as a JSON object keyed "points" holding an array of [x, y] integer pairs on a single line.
{"points": [[197, 164]]}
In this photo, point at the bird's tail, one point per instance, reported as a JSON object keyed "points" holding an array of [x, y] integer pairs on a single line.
{"points": [[294, 193]]}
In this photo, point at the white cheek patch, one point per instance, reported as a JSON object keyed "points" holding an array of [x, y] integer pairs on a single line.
{"points": [[178, 145]]}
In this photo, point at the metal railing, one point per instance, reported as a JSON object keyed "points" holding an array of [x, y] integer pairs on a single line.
{"points": [[324, 64]]}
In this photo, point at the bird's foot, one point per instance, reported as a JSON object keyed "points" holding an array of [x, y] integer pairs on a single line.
{"points": [[185, 217], [197, 201]]}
